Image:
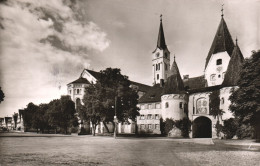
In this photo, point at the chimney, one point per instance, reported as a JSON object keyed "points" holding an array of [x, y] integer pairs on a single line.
{"points": [[161, 82], [185, 77]]}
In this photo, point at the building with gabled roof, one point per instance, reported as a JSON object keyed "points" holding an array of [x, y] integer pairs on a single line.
{"points": [[176, 98]]}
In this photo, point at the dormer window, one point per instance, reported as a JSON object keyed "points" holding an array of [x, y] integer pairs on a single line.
{"points": [[219, 62]]}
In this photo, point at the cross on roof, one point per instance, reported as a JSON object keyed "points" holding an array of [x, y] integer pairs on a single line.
{"points": [[222, 10]]}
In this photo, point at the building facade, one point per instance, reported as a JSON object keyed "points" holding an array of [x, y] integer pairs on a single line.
{"points": [[175, 98]]}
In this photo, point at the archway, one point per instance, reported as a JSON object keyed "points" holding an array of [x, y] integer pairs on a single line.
{"points": [[201, 128]]}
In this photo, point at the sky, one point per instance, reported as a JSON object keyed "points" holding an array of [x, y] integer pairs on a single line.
{"points": [[44, 45]]}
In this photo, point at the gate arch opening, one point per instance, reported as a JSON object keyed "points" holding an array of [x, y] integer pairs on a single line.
{"points": [[201, 128]]}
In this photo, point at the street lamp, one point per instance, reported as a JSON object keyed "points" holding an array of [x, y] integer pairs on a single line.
{"points": [[115, 118]]}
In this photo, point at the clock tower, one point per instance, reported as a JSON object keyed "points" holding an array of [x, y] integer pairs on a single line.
{"points": [[160, 58]]}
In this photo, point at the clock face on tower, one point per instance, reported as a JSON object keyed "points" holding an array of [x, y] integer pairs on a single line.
{"points": [[219, 68]]}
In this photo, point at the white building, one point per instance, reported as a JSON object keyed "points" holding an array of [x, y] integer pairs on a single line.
{"points": [[175, 98]]}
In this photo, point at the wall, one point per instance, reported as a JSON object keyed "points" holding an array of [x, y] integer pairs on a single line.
{"points": [[173, 111], [218, 70]]}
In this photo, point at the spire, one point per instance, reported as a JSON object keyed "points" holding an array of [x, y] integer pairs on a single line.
{"points": [[174, 82], [234, 67], [222, 41], [161, 40]]}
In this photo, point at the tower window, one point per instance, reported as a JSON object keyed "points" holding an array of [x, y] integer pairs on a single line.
{"points": [[77, 91], [165, 55], [159, 66], [219, 61], [157, 76], [181, 105], [166, 105], [166, 67]]}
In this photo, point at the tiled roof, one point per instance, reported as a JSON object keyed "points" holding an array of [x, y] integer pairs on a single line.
{"points": [[174, 83], [81, 80], [195, 82], [222, 41], [94, 73], [205, 89], [141, 87], [234, 67], [153, 95]]}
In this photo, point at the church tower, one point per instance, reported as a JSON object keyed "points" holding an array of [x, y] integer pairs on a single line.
{"points": [[161, 58], [219, 55]]}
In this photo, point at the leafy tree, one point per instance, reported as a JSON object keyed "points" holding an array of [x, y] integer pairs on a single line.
{"points": [[62, 113], [245, 100], [93, 109], [15, 117], [109, 96], [28, 115], [117, 92], [2, 95]]}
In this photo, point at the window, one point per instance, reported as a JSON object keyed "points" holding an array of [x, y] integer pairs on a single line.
{"points": [[156, 116], [222, 100], [149, 126], [166, 105], [165, 67], [159, 66], [181, 105], [157, 76], [142, 126], [142, 117], [165, 55], [156, 67], [77, 91], [219, 61], [157, 126], [213, 77], [158, 106], [69, 91], [149, 116]]}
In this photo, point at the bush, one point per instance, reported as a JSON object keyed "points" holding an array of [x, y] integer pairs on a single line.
{"points": [[245, 131], [184, 125], [230, 128]]}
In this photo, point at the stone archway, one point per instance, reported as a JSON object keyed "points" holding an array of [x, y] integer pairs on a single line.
{"points": [[201, 128]]}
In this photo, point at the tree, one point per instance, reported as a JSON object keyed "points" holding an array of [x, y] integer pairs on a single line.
{"points": [[117, 92], [62, 113], [245, 100], [28, 115], [15, 117], [93, 109], [2, 95], [109, 96]]}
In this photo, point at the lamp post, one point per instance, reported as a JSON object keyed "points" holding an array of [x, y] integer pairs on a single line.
{"points": [[115, 118]]}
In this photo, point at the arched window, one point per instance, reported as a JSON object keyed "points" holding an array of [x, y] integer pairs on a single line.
{"points": [[219, 61], [202, 105], [157, 76], [166, 105]]}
